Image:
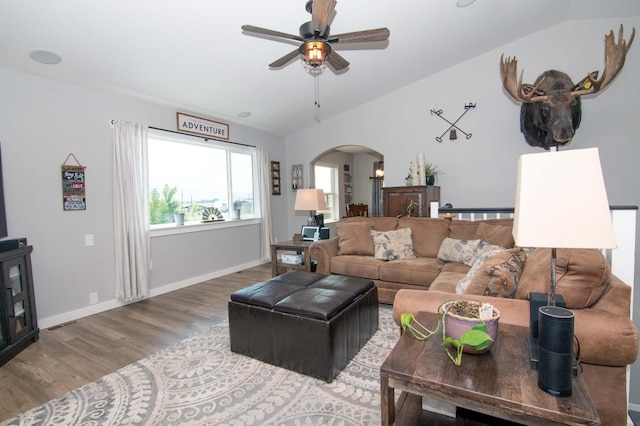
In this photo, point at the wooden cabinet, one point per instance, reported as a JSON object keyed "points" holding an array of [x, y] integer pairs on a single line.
{"points": [[396, 199], [18, 321]]}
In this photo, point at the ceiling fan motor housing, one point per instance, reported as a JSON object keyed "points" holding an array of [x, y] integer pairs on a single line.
{"points": [[306, 32]]}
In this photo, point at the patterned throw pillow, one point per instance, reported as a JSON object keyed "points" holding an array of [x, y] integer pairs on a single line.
{"points": [[393, 245], [462, 285], [485, 247], [459, 251], [505, 276]]}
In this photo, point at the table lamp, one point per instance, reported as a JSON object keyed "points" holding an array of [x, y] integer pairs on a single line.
{"points": [[561, 202], [310, 199]]}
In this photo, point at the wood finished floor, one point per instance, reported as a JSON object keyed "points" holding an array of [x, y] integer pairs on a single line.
{"points": [[77, 353]]}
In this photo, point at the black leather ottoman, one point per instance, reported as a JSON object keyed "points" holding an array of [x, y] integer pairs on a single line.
{"points": [[305, 322]]}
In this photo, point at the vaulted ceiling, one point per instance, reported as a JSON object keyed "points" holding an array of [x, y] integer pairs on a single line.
{"points": [[193, 55]]}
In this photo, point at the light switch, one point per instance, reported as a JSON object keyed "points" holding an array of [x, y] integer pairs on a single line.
{"points": [[88, 240]]}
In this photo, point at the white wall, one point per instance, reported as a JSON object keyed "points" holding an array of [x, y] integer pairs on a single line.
{"points": [[481, 171], [41, 122]]}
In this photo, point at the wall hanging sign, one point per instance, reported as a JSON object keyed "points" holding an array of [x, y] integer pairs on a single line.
{"points": [[202, 126], [452, 126], [296, 176], [73, 185]]}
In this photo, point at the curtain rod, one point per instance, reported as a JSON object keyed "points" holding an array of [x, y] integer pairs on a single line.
{"points": [[197, 136]]}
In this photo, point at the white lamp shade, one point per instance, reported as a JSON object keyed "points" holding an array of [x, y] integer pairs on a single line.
{"points": [[310, 199], [561, 201]]}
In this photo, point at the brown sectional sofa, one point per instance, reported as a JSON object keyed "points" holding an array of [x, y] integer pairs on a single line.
{"points": [[600, 301]]}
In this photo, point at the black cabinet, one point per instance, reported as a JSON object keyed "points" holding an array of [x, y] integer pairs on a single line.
{"points": [[18, 322]]}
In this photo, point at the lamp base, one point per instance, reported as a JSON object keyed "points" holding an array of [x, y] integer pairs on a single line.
{"points": [[311, 220]]}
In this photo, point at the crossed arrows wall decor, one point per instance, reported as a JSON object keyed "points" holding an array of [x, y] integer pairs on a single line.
{"points": [[452, 128]]}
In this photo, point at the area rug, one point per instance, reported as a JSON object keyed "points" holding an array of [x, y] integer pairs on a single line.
{"points": [[199, 381]]}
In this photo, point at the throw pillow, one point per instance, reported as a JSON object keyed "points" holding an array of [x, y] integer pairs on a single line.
{"points": [[355, 238], [505, 276], [478, 283], [459, 251], [461, 287], [393, 245], [485, 247]]}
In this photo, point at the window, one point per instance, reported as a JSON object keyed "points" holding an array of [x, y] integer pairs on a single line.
{"points": [[190, 176], [326, 178]]}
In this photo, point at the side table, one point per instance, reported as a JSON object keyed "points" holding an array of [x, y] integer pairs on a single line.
{"points": [[300, 247], [499, 383]]}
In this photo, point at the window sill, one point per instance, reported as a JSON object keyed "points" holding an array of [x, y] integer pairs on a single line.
{"points": [[171, 229]]}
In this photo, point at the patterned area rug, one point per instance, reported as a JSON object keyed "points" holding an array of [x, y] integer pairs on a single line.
{"points": [[199, 381]]}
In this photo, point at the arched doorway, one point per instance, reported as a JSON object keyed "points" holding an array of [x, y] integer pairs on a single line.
{"points": [[356, 180]]}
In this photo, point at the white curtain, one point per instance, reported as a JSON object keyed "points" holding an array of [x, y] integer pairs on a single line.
{"points": [[264, 185], [131, 211]]}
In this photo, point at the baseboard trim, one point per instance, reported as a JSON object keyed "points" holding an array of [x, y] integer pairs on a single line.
{"points": [[634, 407], [54, 320]]}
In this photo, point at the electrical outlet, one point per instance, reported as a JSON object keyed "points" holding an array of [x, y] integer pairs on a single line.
{"points": [[88, 240], [93, 298]]}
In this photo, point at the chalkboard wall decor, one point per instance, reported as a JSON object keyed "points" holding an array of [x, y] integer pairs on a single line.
{"points": [[73, 185]]}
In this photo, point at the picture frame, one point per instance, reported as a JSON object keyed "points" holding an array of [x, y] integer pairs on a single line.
{"points": [[310, 233], [296, 177], [275, 178]]}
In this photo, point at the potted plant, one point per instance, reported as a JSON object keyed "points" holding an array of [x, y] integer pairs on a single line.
{"points": [[411, 208], [178, 216], [431, 172], [464, 327]]}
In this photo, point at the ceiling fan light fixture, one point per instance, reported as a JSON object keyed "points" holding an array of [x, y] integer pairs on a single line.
{"points": [[315, 52]]}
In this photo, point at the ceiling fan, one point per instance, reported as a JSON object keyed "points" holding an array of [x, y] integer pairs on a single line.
{"points": [[316, 40]]}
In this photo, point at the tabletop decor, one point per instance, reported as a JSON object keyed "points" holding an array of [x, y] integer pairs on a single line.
{"points": [[467, 326]]}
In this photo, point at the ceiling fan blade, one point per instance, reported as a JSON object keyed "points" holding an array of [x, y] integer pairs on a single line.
{"points": [[265, 31], [321, 12], [285, 59], [336, 61], [378, 34]]}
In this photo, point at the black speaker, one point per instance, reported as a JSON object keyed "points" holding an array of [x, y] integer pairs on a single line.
{"points": [[537, 301], [13, 244], [555, 337], [324, 233]]}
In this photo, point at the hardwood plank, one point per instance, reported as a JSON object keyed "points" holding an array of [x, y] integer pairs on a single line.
{"points": [[77, 353]]}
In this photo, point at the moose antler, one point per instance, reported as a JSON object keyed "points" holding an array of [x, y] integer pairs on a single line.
{"points": [[615, 55], [514, 86]]}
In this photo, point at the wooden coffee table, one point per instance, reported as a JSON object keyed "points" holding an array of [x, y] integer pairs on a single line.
{"points": [[499, 383]]}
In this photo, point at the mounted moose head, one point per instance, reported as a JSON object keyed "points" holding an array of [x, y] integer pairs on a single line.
{"points": [[551, 111]]}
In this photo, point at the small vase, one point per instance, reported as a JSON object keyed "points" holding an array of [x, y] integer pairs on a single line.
{"points": [[178, 218], [431, 179], [455, 325]]}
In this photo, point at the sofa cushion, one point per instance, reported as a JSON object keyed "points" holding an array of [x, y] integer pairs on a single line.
{"points": [[377, 223], [461, 251], [462, 287], [356, 266], [419, 271], [468, 229], [355, 238], [427, 234], [393, 245], [499, 233], [582, 275]]}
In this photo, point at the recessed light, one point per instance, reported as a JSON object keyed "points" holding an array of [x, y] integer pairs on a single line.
{"points": [[245, 114], [45, 56], [464, 3]]}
